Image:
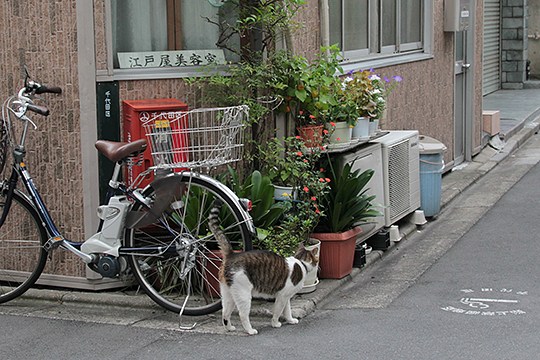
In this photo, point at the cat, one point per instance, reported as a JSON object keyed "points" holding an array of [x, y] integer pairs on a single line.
{"points": [[261, 274]]}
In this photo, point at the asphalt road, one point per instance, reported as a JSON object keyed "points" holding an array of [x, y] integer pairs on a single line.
{"points": [[465, 287]]}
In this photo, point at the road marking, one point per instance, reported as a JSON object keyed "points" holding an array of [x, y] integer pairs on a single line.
{"points": [[495, 300]]}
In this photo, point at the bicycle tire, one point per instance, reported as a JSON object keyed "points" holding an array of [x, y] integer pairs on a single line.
{"points": [[160, 277], [22, 255]]}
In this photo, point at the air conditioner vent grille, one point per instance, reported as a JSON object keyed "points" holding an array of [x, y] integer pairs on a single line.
{"points": [[399, 179]]}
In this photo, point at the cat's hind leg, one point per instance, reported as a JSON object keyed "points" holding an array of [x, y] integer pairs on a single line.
{"points": [[227, 302], [242, 298], [288, 314], [282, 306]]}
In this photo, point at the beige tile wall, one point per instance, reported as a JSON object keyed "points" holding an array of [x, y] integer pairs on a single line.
{"points": [[42, 35]]}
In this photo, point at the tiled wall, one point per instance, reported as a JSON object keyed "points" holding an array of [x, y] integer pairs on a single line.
{"points": [[42, 35]]}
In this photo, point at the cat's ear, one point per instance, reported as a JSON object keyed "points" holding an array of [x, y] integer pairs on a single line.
{"points": [[315, 251]]}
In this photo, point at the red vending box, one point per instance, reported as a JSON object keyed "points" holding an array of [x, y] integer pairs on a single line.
{"points": [[135, 114]]}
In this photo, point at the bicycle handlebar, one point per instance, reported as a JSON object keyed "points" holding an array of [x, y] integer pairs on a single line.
{"points": [[42, 89], [32, 87], [41, 110]]}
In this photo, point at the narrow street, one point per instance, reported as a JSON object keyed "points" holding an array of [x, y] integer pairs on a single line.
{"points": [[466, 286]]}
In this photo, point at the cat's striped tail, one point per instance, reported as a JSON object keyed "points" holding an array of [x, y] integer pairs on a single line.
{"points": [[213, 225]]}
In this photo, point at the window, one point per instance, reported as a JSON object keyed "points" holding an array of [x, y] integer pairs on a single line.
{"points": [[366, 29], [167, 33]]}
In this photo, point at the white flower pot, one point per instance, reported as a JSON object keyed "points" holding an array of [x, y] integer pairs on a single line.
{"points": [[284, 192], [340, 134], [373, 127], [311, 281], [361, 130]]}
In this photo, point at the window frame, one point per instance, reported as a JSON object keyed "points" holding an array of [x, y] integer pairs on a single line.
{"points": [[391, 54], [116, 74]]}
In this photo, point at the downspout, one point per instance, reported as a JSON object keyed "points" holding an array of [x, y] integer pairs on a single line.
{"points": [[325, 23], [289, 45]]}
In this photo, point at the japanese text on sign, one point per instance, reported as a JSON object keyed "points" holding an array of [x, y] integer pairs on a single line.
{"points": [[163, 59]]}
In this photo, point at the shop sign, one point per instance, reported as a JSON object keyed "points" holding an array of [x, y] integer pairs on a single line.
{"points": [[164, 59]]}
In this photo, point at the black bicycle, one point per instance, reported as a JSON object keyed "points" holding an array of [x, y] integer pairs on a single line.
{"points": [[158, 234]]}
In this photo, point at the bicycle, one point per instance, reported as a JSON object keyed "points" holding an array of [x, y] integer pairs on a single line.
{"points": [[157, 234]]}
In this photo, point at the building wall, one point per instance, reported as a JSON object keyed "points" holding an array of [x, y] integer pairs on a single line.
{"points": [[47, 44], [42, 36]]}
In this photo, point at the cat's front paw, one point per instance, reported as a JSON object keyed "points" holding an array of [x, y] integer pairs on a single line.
{"points": [[292, 321], [230, 328], [276, 324], [252, 332]]}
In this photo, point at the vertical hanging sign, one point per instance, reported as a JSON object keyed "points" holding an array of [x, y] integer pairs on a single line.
{"points": [[108, 128]]}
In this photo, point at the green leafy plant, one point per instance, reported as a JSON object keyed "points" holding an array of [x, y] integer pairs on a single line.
{"points": [[347, 202], [287, 161], [368, 91], [259, 189], [312, 87], [302, 214]]}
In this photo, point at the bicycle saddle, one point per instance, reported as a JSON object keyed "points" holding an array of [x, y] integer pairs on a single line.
{"points": [[116, 151]]}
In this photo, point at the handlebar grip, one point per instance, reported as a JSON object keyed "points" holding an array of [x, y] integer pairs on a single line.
{"points": [[48, 89], [41, 110]]}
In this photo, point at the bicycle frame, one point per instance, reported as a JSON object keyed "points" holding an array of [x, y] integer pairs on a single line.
{"points": [[102, 242]]}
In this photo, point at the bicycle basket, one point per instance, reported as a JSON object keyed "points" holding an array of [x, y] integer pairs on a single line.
{"points": [[199, 138]]}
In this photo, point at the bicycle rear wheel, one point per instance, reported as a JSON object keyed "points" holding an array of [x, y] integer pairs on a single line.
{"points": [[191, 259], [22, 256]]}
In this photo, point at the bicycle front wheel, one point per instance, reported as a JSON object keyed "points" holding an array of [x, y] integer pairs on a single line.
{"points": [[184, 272], [22, 256]]}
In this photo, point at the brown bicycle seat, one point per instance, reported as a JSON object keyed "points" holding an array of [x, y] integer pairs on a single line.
{"points": [[116, 151]]}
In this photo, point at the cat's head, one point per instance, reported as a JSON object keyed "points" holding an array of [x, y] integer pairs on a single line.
{"points": [[308, 256]]}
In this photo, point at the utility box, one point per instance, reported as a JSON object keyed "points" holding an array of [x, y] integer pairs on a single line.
{"points": [[139, 112], [491, 121], [457, 14]]}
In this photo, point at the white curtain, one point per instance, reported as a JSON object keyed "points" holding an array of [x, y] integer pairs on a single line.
{"points": [[139, 25], [198, 33]]}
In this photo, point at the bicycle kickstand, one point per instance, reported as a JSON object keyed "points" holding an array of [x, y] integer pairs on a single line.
{"points": [[189, 327]]}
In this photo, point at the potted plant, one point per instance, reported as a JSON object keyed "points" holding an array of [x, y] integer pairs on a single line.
{"points": [[302, 213], [381, 89], [287, 162], [346, 205]]}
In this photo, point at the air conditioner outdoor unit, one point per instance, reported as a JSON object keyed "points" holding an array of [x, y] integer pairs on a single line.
{"points": [[369, 157], [401, 174]]}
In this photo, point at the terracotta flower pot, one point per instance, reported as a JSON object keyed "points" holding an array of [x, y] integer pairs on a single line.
{"points": [[337, 253], [311, 134]]}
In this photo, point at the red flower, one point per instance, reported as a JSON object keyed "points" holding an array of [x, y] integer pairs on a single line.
{"points": [[299, 153], [306, 189], [325, 132], [311, 117], [313, 198], [298, 137], [332, 123], [327, 180]]}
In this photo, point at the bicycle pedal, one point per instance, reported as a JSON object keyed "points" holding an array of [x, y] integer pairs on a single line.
{"points": [[53, 243]]}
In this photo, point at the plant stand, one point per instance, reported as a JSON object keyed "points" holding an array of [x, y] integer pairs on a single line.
{"points": [[380, 241], [359, 256]]}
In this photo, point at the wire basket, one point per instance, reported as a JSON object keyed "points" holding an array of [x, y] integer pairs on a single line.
{"points": [[199, 138]]}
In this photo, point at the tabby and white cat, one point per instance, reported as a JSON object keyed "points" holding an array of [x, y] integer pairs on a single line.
{"points": [[261, 274]]}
